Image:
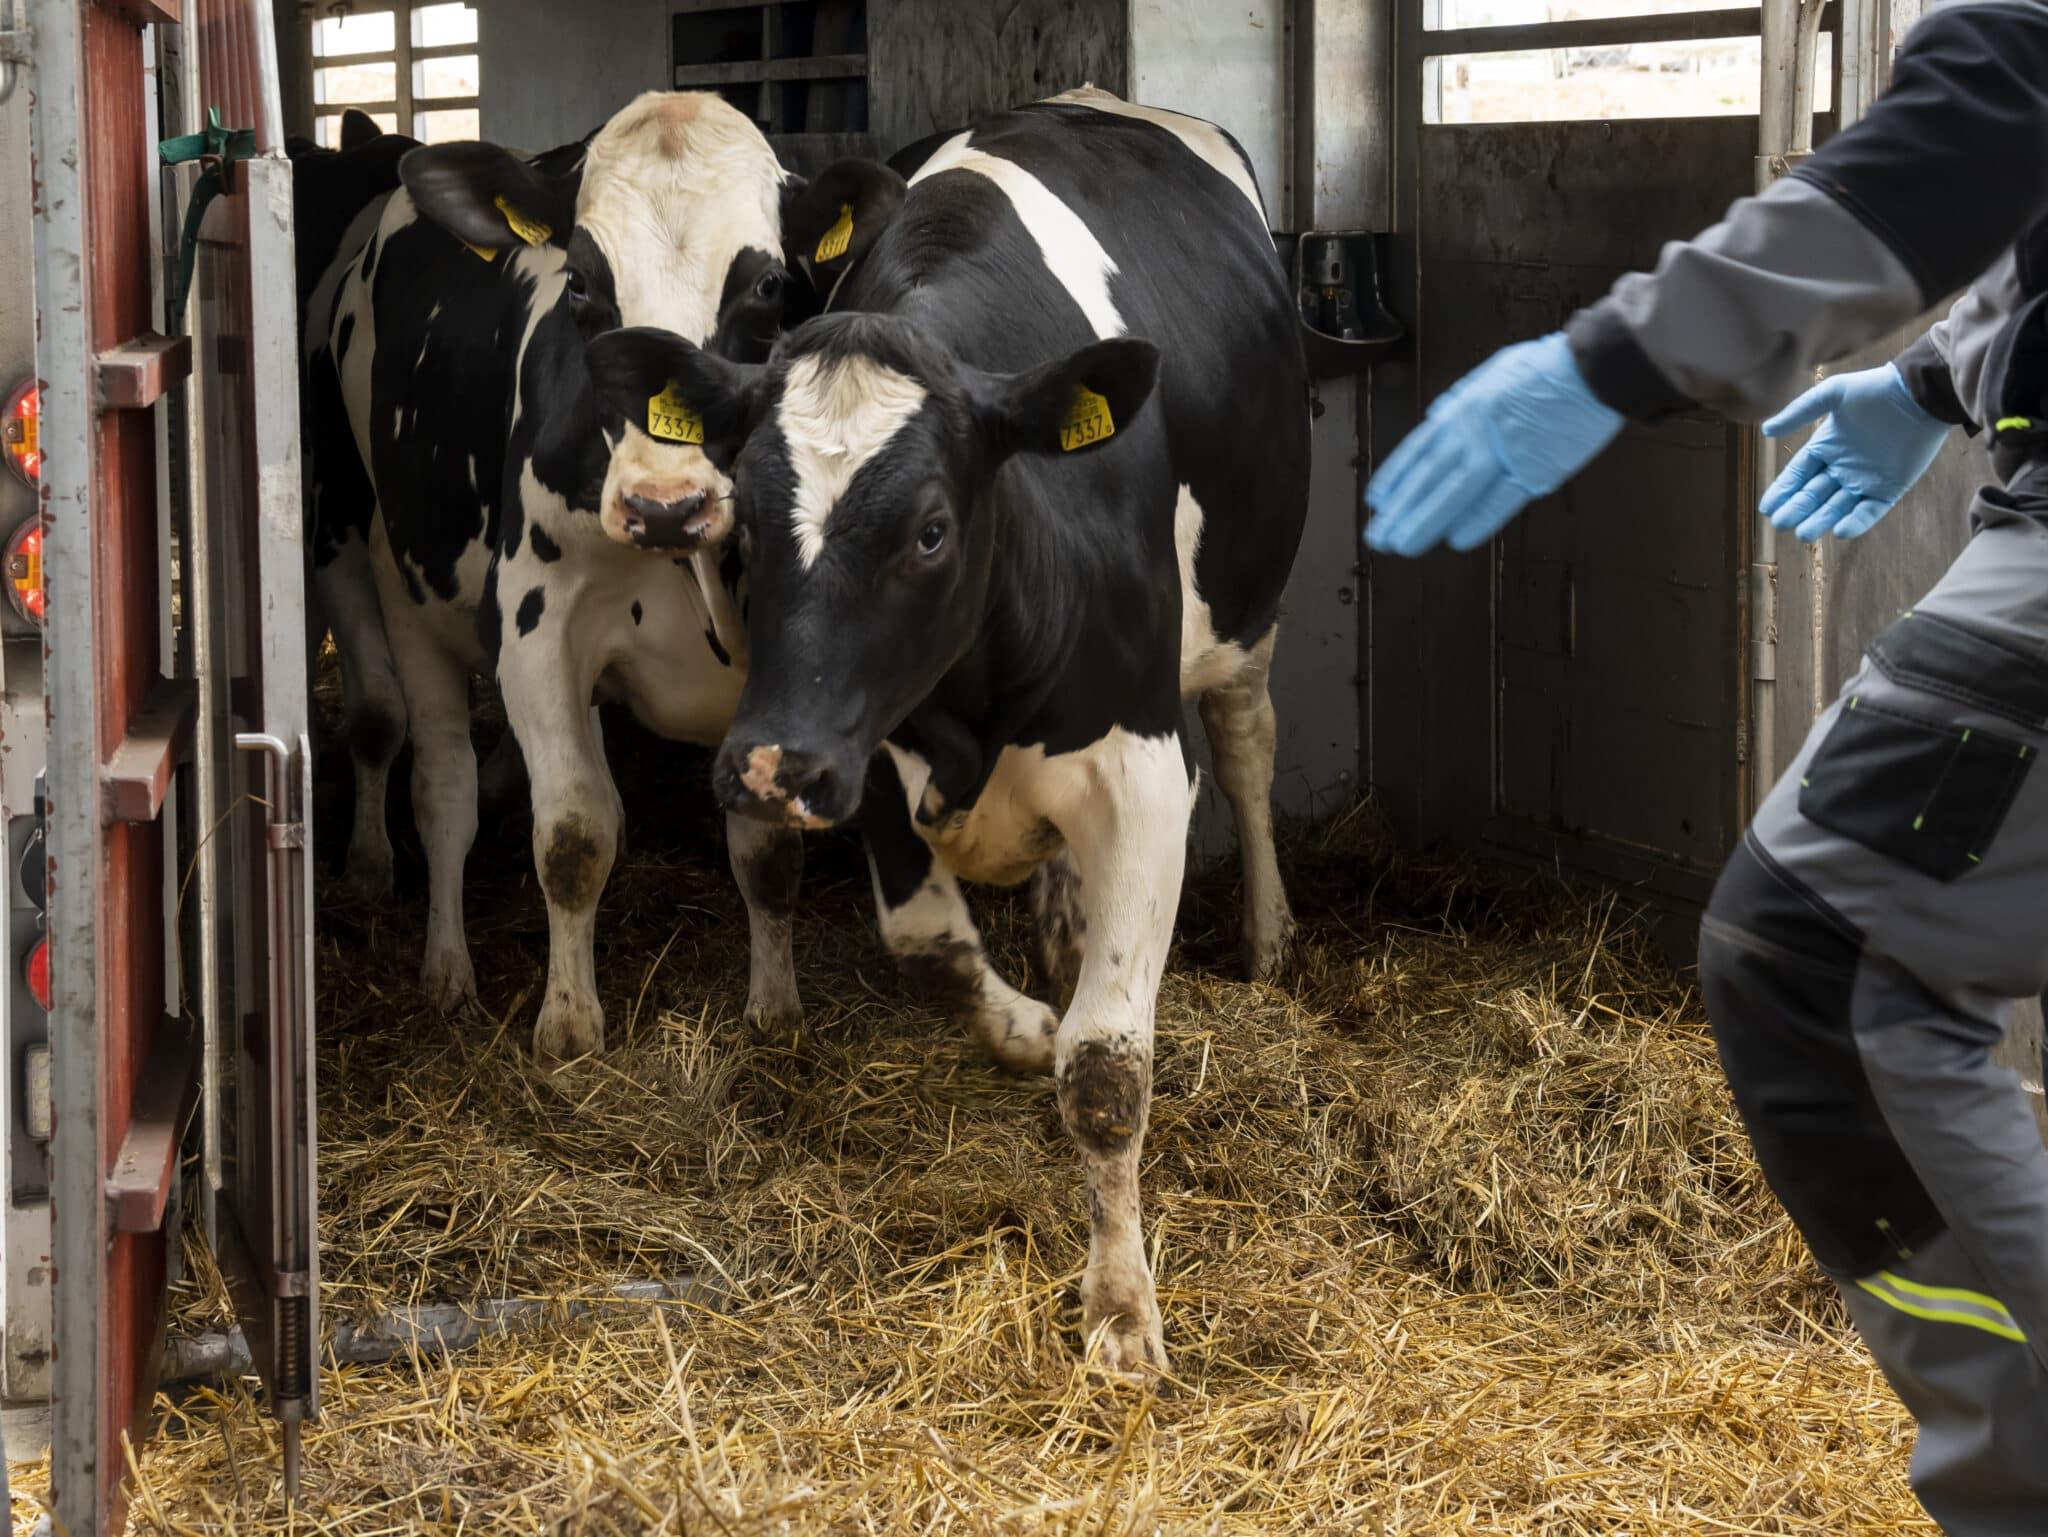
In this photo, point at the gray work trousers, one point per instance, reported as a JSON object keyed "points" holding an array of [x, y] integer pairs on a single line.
{"points": [[1860, 960]]}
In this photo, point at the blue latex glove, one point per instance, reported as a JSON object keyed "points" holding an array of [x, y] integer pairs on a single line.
{"points": [[1517, 427], [1875, 443]]}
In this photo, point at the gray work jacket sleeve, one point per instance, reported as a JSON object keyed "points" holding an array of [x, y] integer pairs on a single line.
{"points": [[1949, 370], [1927, 191]]}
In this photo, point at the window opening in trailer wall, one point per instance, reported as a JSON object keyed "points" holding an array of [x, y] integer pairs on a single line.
{"points": [[412, 68]]}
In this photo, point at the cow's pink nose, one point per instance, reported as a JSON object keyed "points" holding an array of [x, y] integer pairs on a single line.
{"points": [[681, 524]]}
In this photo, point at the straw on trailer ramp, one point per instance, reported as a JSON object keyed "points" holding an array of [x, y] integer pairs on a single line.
{"points": [[1455, 1231]]}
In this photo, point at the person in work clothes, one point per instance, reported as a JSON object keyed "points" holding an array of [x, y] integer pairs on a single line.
{"points": [[1863, 947]]}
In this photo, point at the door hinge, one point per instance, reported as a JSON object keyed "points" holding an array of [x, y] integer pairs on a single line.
{"points": [[1763, 623]]}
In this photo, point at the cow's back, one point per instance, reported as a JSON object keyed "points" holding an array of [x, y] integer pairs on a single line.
{"points": [[1126, 221]]}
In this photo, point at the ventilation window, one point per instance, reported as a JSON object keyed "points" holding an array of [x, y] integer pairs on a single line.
{"points": [[1548, 61], [419, 78]]}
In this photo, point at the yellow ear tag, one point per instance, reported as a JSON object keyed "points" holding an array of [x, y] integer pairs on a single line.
{"points": [[670, 417], [526, 229], [1088, 421], [833, 243], [488, 253]]}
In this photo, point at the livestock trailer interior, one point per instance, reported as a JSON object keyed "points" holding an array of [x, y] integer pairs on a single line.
{"points": [[1604, 691]]}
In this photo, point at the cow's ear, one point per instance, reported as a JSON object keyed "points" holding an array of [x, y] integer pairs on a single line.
{"points": [[671, 389], [830, 222], [358, 129], [1071, 404], [486, 196]]}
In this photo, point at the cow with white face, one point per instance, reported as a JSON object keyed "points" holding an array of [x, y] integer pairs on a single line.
{"points": [[522, 524], [993, 539]]}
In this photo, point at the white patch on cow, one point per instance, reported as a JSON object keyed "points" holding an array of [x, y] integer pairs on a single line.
{"points": [[836, 414], [1069, 248], [1205, 140], [434, 314], [1205, 660], [673, 187], [475, 483]]}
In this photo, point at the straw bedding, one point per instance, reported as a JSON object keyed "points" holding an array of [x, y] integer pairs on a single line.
{"points": [[1455, 1231]]}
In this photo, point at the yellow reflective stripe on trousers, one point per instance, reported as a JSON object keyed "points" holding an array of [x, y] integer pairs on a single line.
{"points": [[1943, 1304]]}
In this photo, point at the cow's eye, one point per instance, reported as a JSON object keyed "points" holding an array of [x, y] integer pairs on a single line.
{"points": [[769, 285], [579, 287], [931, 538]]}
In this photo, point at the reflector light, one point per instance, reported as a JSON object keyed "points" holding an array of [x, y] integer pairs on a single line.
{"points": [[37, 973], [20, 432], [21, 564]]}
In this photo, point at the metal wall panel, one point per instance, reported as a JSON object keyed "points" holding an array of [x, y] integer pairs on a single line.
{"points": [[938, 64], [1575, 693]]}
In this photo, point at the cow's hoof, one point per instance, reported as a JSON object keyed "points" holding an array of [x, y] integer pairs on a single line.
{"points": [[448, 980], [1266, 954], [1129, 1347], [368, 877], [775, 1018], [568, 1029], [1018, 1035]]}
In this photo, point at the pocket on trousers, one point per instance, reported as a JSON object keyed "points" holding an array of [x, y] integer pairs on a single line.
{"points": [[1928, 794]]}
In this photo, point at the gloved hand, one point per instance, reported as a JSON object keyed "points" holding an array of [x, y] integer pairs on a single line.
{"points": [[1875, 443], [1517, 427]]}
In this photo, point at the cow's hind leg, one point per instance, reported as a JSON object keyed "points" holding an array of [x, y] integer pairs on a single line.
{"points": [[926, 925], [436, 688], [1059, 920], [1126, 818], [373, 708], [768, 863], [1238, 718]]}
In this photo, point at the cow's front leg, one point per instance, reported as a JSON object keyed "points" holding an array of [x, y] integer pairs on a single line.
{"points": [[768, 863], [575, 823], [927, 928], [1125, 815]]}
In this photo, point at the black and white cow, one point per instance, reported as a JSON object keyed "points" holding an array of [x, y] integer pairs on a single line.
{"points": [[521, 524], [984, 572]]}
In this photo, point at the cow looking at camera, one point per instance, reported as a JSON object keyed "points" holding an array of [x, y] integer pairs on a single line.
{"points": [[992, 539]]}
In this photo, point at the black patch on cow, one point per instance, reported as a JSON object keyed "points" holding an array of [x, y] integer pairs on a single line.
{"points": [[490, 619], [530, 608], [946, 975], [1104, 1091], [544, 544], [636, 611], [343, 337], [772, 877], [570, 871], [711, 640]]}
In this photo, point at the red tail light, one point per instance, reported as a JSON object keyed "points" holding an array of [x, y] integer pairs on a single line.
{"points": [[20, 435], [21, 565], [37, 973]]}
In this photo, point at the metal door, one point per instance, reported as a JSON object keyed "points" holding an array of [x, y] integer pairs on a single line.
{"points": [[1577, 693], [246, 322], [132, 698]]}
